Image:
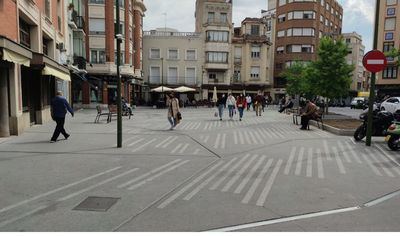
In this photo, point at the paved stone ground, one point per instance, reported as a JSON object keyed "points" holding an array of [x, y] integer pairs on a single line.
{"points": [[205, 175]]}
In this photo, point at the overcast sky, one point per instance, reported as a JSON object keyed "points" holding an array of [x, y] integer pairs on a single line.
{"points": [[358, 15]]}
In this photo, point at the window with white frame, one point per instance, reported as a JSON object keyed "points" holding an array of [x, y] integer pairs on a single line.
{"points": [[173, 54], [155, 53], [155, 75], [191, 75], [172, 75], [191, 55], [217, 57], [390, 23], [281, 33], [255, 51], [391, 2], [255, 72], [217, 36]]}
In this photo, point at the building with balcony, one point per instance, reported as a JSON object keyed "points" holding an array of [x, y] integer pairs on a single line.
{"points": [[101, 86], [355, 57], [214, 23], [32, 39], [388, 81], [173, 59], [299, 25], [250, 57]]}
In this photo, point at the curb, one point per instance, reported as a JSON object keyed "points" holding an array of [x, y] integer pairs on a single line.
{"points": [[331, 129]]}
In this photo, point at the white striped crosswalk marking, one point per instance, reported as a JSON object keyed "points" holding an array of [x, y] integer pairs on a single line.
{"points": [[127, 140], [309, 163], [249, 175], [235, 138], [135, 142], [374, 169], [217, 140], [266, 132], [326, 148], [256, 182], [246, 137], [290, 161], [253, 139], [196, 151], [223, 142], [338, 160], [345, 154], [231, 170], [241, 137], [197, 126], [133, 187], [238, 174], [353, 153], [388, 173], [130, 182], [207, 181], [206, 138], [269, 131], [299, 162], [320, 165], [144, 145], [164, 141], [205, 126], [184, 189], [264, 194], [261, 135], [169, 142], [176, 148], [391, 158], [258, 137], [183, 149]]}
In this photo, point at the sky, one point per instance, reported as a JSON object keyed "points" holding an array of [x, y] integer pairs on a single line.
{"points": [[358, 15]]}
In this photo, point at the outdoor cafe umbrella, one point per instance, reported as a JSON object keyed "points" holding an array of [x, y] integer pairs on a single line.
{"points": [[162, 89], [215, 96], [184, 89]]}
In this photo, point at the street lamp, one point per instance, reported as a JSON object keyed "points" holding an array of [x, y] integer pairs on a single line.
{"points": [[118, 36], [373, 78]]}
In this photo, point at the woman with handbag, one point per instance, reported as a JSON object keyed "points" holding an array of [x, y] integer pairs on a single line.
{"points": [[241, 103], [174, 115]]}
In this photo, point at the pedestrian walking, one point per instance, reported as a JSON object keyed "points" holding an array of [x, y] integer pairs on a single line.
{"points": [[310, 112], [59, 108], [258, 103], [231, 103], [248, 101], [241, 103], [221, 101], [173, 110]]}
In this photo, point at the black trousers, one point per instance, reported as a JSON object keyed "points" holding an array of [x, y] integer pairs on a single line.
{"points": [[59, 128], [304, 121]]}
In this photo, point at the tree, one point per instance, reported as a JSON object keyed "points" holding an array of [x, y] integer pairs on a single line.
{"points": [[330, 75], [295, 76]]}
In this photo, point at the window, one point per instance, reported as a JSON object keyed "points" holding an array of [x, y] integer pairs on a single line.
{"points": [[212, 76], [24, 33], [155, 53], [223, 17], [255, 30], [191, 55], [280, 50], [388, 36], [281, 34], [388, 46], [255, 51], [282, 2], [97, 56], [217, 36], [47, 8], [217, 57], [93, 57], [97, 26], [301, 15], [173, 54], [190, 75], [255, 72], [391, 11], [97, 1], [390, 72], [46, 46], [390, 23], [300, 32], [155, 75], [172, 75], [281, 18], [122, 58], [211, 17], [300, 48], [391, 2]]}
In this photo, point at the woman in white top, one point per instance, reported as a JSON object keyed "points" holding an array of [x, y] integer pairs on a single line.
{"points": [[231, 104]]}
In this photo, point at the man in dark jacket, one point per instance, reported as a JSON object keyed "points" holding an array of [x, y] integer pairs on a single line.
{"points": [[59, 108]]}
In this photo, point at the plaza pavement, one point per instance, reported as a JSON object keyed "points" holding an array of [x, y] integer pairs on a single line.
{"points": [[260, 174]]}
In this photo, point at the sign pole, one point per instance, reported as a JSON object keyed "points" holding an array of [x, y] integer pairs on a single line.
{"points": [[373, 78], [118, 36]]}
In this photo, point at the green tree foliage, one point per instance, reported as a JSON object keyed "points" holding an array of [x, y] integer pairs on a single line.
{"points": [[295, 76], [330, 75]]}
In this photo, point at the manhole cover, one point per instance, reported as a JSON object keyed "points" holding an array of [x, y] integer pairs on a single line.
{"points": [[96, 204]]}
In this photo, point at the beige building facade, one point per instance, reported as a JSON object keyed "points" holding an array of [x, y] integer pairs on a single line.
{"points": [[355, 57], [388, 81], [172, 59]]}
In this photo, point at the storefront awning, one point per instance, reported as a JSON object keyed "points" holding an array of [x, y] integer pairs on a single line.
{"points": [[47, 70], [15, 58]]}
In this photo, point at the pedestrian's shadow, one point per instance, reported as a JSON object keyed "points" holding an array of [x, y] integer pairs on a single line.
{"points": [[38, 142]]}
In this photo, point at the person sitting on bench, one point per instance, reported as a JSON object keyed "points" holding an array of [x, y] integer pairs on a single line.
{"points": [[310, 112], [288, 105]]}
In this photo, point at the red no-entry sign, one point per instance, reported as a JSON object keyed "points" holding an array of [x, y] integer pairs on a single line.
{"points": [[375, 61]]}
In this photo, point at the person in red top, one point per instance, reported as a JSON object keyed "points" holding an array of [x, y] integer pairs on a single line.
{"points": [[241, 104]]}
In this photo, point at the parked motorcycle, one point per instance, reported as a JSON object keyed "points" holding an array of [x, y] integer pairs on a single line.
{"points": [[380, 123], [393, 136]]}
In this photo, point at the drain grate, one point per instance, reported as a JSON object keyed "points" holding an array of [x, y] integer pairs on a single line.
{"points": [[96, 204]]}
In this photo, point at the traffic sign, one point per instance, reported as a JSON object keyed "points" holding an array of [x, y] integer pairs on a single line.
{"points": [[375, 61]]}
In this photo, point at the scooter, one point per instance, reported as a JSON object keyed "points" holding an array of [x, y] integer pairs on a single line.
{"points": [[393, 136], [381, 121]]}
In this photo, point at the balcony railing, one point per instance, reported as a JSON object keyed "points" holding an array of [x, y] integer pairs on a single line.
{"points": [[172, 81], [169, 34], [79, 21]]}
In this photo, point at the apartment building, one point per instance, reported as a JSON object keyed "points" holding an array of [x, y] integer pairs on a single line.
{"points": [[173, 59], [299, 27], [32, 39], [101, 86], [251, 48], [388, 81], [214, 23], [355, 57]]}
